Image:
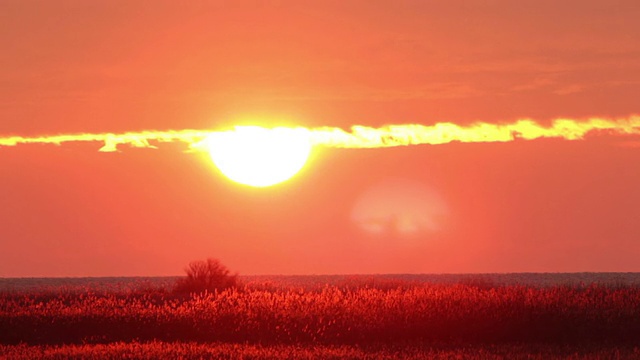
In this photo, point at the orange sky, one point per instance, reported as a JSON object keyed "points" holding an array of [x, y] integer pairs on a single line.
{"points": [[116, 66]]}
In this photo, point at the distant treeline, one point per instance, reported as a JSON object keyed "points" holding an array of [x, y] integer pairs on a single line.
{"points": [[118, 284]]}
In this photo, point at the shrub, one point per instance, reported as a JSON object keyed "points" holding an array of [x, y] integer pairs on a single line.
{"points": [[206, 275]]}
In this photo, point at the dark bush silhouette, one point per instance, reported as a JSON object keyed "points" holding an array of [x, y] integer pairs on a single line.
{"points": [[206, 275]]}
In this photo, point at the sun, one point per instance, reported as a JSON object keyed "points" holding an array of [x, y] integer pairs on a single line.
{"points": [[257, 156]]}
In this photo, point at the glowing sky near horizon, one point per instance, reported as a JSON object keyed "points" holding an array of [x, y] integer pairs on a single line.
{"points": [[528, 112]]}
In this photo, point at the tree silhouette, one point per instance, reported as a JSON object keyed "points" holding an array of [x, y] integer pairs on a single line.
{"points": [[206, 275]]}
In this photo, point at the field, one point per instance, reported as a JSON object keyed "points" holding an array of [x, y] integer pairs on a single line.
{"points": [[348, 318]]}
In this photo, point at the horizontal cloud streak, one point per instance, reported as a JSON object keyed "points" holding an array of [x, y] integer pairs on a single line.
{"points": [[442, 133], [366, 137], [111, 141]]}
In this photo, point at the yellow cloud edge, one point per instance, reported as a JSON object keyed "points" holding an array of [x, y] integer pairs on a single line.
{"points": [[364, 136]]}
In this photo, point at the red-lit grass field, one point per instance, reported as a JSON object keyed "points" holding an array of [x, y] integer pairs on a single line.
{"points": [[350, 319]]}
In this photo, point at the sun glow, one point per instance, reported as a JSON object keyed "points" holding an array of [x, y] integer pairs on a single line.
{"points": [[259, 157]]}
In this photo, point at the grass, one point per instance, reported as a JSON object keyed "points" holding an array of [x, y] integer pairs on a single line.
{"points": [[346, 320], [182, 350]]}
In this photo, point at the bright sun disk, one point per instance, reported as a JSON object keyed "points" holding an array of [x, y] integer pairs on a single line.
{"points": [[257, 156]]}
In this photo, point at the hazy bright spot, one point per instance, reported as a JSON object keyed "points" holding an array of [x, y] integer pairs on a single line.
{"points": [[399, 207]]}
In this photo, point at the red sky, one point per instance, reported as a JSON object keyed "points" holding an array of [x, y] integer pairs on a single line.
{"points": [[113, 66]]}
